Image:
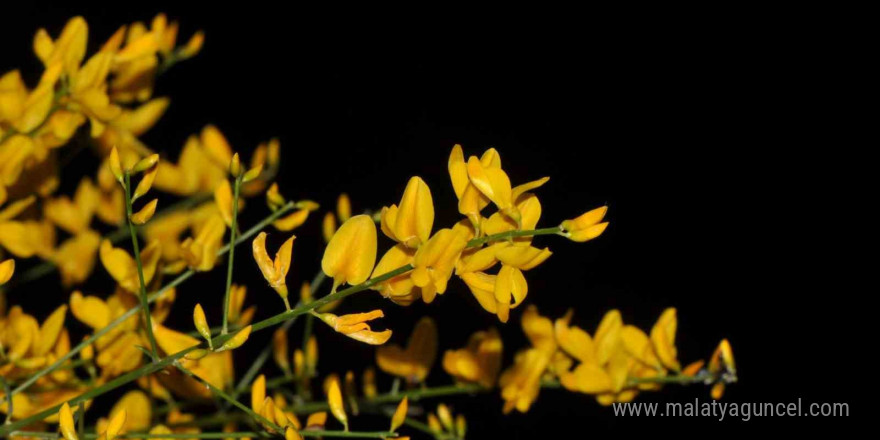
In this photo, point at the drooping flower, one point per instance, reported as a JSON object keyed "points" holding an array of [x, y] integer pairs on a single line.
{"points": [[414, 362], [355, 326]]}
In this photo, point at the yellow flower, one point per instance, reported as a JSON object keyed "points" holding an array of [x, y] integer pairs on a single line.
{"points": [[236, 316], [145, 214], [65, 422], [355, 326], [399, 415], [279, 349], [663, 339], [201, 323], [586, 227], [136, 407], [275, 272], [328, 226], [123, 268], [510, 290], [399, 289], [410, 223], [723, 367], [521, 383], [470, 200], [75, 258], [413, 363], [351, 253], [236, 340], [224, 199], [195, 172], [200, 253], [334, 399], [74, 215], [7, 268], [493, 182], [435, 260], [479, 361]]}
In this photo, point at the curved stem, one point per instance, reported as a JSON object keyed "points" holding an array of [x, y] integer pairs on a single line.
{"points": [[145, 308]]}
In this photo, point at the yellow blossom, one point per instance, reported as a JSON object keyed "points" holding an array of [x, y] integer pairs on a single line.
{"points": [[343, 207], [663, 339], [201, 323], [399, 414], [274, 271], [414, 362], [410, 224], [75, 257], [7, 268], [334, 399], [145, 214], [355, 326], [122, 266], [479, 361], [200, 253], [435, 261], [65, 421], [328, 226], [351, 253], [586, 227], [236, 340]]}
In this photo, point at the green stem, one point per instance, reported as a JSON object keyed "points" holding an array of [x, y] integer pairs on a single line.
{"points": [[232, 230], [164, 362], [413, 395], [679, 379], [145, 308], [222, 394], [514, 234], [153, 297]]}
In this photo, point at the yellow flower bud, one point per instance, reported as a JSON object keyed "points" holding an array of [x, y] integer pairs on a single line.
{"points": [[146, 213], [369, 383], [279, 349], [587, 226], [663, 339], [116, 165], [274, 198], [445, 416], [7, 268], [311, 355], [237, 340], [145, 184], [460, 425], [343, 207], [196, 354], [201, 323], [351, 253], [252, 174], [235, 166], [258, 393], [193, 46], [328, 227], [305, 293], [65, 421], [399, 415], [146, 163], [334, 399]]}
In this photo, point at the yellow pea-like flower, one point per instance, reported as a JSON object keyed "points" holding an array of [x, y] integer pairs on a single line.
{"points": [[663, 339], [216, 145], [414, 362], [75, 257], [224, 199], [200, 253], [522, 257], [291, 434], [7, 268], [411, 222], [116, 425], [343, 207], [291, 221], [478, 362], [201, 323], [495, 185], [123, 268], [237, 340], [587, 226], [65, 422], [316, 420], [334, 399], [351, 253], [146, 213], [399, 414], [136, 405], [607, 337], [355, 326], [722, 358], [274, 271], [510, 290], [435, 261], [399, 289]]}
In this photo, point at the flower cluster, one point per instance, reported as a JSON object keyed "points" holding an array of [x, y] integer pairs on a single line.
{"points": [[120, 340]]}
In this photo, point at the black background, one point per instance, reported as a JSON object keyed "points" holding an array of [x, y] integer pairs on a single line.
{"points": [[719, 149]]}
